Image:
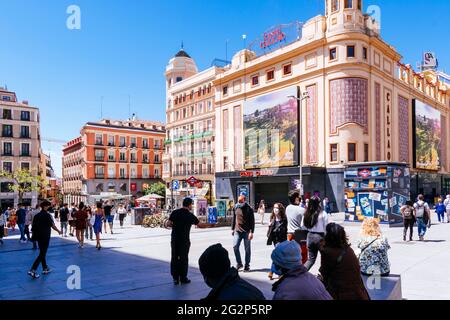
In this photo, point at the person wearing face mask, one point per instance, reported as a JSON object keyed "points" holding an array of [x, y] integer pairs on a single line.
{"points": [[296, 283], [181, 221], [215, 266], [277, 232]]}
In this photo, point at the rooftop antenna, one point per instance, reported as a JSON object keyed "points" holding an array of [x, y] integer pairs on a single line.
{"points": [[101, 107], [226, 49], [182, 45], [129, 106]]}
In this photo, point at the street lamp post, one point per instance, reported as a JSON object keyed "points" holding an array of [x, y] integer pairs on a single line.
{"points": [[303, 96]]}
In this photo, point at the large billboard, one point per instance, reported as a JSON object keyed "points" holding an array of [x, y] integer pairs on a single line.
{"points": [[428, 136], [271, 130]]}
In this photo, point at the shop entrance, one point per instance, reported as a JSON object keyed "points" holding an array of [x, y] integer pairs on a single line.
{"points": [[271, 193]]}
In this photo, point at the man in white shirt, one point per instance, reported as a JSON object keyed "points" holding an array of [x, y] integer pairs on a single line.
{"points": [[296, 231], [447, 207]]}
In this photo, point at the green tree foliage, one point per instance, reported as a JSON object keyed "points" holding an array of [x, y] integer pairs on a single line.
{"points": [[23, 181], [158, 188]]}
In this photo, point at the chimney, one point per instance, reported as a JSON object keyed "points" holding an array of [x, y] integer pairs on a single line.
{"points": [[25, 102]]}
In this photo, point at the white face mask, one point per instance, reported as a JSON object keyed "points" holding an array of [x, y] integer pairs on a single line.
{"points": [[276, 211]]}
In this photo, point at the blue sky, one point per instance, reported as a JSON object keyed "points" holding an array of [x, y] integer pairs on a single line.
{"points": [[124, 45]]}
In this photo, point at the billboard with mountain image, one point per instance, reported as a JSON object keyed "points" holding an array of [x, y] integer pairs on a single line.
{"points": [[428, 137], [271, 130]]}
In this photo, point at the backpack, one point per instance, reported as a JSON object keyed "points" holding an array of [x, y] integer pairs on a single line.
{"points": [[420, 210], [407, 213]]}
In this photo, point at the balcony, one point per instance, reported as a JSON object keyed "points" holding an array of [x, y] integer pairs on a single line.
{"points": [[145, 146], [133, 145], [145, 161], [123, 160], [111, 160], [157, 146], [111, 144], [7, 154], [122, 145], [7, 135], [25, 154], [133, 161], [157, 162], [99, 175], [101, 159], [98, 143]]}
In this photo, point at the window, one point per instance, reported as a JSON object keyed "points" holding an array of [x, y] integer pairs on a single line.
{"points": [[192, 111], [111, 142], [99, 155], [24, 131], [7, 130], [184, 113], [364, 53], [351, 152], [5, 187], [145, 143], [177, 115], [348, 4], [7, 149], [210, 105], [7, 167], [157, 158], [25, 166], [26, 149], [200, 107], [122, 141], [225, 163], [99, 171], [158, 144], [133, 173], [179, 79], [270, 75], [133, 157], [359, 5], [287, 69], [334, 5], [111, 155], [334, 152], [350, 51], [99, 139], [157, 173], [25, 115], [133, 143], [7, 114], [6, 98], [144, 172], [255, 80], [225, 90], [122, 173], [366, 152], [122, 156], [145, 158], [333, 54], [112, 171]]}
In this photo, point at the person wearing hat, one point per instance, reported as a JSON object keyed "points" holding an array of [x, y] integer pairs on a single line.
{"points": [[296, 283], [224, 280], [243, 227]]}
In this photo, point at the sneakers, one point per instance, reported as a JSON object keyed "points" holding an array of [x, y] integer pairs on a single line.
{"points": [[239, 267], [33, 274], [46, 271], [176, 282], [247, 269]]}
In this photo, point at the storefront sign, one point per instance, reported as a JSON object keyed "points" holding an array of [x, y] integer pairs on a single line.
{"points": [[258, 173], [192, 181]]}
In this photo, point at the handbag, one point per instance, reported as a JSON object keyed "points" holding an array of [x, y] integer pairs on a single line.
{"points": [[358, 254]]}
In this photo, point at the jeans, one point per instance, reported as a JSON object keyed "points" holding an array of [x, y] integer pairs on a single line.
{"points": [[408, 224], [238, 237], [22, 231], [41, 259], [313, 241], [64, 228], [27, 232], [179, 263], [441, 216], [121, 218], [422, 227], [448, 216], [89, 232]]}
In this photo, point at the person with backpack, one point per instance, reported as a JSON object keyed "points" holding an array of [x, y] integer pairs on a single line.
{"points": [[409, 219], [315, 220], [423, 216], [447, 207], [440, 211]]}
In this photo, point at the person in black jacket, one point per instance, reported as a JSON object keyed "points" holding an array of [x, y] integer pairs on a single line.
{"points": [[243, 227], [277, 232], [224, 280]]}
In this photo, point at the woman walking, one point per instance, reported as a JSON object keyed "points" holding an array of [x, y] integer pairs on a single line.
{"points": [[277, 232], [373, 257], [122, 212], [339, 270], [262, 210], [13, 219], [89, 228], [80, 224], [315, 221], [99, 217], [409, 218]]}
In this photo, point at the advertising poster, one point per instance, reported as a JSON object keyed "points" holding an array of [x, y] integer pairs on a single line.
{"points": [[366, 205], [212, 215], [243, 189], [221, 206], [271, 130], [202, 205], [428, 136]]}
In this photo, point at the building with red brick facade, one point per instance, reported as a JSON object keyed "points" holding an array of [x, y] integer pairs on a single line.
{"points": [[112, 157]]}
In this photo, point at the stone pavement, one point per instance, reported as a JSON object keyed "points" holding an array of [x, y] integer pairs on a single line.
{"points": [[134, 264]]}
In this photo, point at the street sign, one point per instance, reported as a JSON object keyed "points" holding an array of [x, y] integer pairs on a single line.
{"points": [[175, 184], [192, 181]]}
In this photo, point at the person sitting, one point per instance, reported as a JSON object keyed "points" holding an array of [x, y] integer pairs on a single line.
{"points": [[215, 266], [296, 283], [340, 270], [374, 247]]}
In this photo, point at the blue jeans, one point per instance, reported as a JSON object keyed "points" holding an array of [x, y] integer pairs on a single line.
{"points": [[22, 231], [441, 216], [422, 227], [238, 237]]}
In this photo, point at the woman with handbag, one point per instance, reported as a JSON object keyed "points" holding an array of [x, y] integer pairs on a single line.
{"points": [[373, 257], [277, 232], [340, 271]]}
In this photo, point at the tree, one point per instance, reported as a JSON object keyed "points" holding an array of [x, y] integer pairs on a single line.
{"points": [[158, 188], [23, 181]]}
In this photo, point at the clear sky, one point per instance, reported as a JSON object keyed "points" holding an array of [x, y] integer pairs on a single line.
{"points": [[124, 45]]}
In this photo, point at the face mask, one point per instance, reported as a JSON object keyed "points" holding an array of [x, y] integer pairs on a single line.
{"points": [[276, 211]]}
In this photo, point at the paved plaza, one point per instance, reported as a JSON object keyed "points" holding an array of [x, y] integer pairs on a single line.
{"points": [[134, 265]]}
